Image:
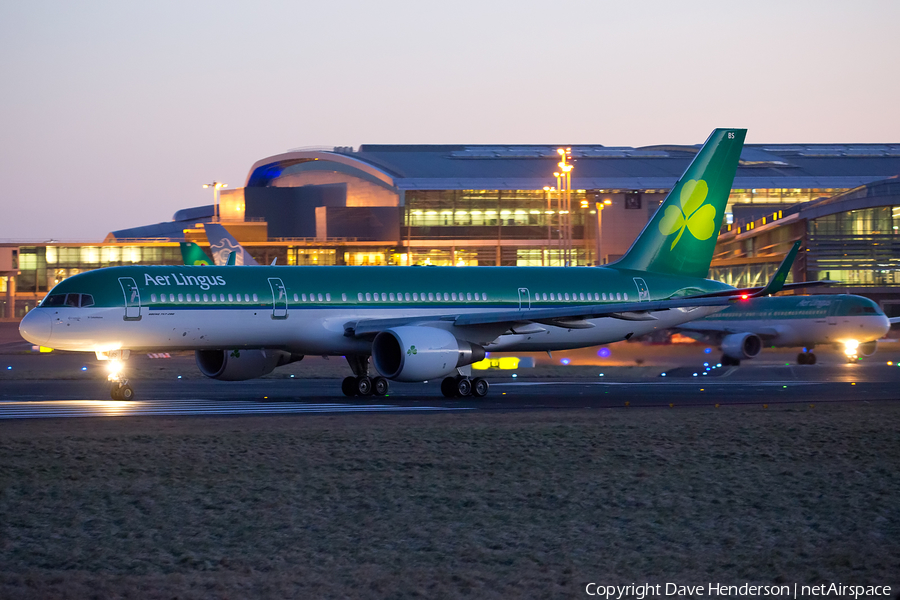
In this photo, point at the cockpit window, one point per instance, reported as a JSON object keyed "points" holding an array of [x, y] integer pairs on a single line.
{"points": [[54, 300], [71, 300]]}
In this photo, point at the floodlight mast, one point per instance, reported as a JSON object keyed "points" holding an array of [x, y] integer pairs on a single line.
{"points": [[564, 185]]}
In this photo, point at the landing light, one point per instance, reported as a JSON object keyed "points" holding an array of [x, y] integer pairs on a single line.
{"points": [[114, 367], [850, 347]]}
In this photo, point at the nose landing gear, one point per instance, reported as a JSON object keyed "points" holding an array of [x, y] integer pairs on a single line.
{"points": [[119, 388]]}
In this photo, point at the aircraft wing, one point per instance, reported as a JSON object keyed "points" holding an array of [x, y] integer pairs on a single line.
{"points": [[721, 328], [894, 320], [569, 317]]}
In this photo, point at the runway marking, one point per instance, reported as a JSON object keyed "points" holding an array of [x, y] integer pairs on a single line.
{"points": [[113, 408], [668, 382]]}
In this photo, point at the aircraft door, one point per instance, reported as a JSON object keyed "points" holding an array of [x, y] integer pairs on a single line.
{"points": [[524, 299], [132, 299], [643, 292], [279, 298]]}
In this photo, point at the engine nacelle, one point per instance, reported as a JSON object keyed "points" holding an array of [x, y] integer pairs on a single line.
{"points": [[741, 345], [240, 365], [868, 348], [421, 353]]}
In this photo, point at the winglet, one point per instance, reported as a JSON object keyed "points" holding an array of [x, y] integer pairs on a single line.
{"points": [[777, 281], [232, 257]]}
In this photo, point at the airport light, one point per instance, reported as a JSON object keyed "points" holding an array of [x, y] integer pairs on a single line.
{"points": [[216, 186], [600, 206]]}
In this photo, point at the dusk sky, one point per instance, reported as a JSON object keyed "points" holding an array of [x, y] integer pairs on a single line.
{"points": [[113, 114]]}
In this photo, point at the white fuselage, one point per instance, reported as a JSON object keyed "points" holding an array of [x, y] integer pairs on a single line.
{"points": [[316, 331]]}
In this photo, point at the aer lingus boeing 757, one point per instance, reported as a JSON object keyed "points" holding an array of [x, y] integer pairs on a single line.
{"points": [[416, 323]]}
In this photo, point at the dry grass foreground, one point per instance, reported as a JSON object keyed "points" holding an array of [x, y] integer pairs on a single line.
{"points": [[517, 505]]}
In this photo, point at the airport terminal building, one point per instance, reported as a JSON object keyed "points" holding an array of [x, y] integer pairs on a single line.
{"points": [[502, 205]]}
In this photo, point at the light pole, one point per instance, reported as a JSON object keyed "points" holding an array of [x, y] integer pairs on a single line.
{"points": [[600, 206], [549, 216], [565, 176], [216, 186]]}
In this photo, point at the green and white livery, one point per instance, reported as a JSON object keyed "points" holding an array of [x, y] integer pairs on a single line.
{"points": [[416, 323], [852, 323]]}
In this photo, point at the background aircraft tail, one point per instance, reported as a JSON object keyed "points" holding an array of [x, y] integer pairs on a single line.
{"points": [[680, 238], [222, 243], [192, 254]]}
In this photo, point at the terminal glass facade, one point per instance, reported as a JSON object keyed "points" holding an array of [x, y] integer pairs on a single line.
{"points": [[479, 214], [857, 248]]}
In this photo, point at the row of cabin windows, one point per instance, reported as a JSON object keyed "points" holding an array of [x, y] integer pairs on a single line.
{"points": [[423, 297], [370, 297], [580, 296], [205, 298]]}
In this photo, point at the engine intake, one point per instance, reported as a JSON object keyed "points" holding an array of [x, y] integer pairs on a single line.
{"points": [[868, 348], [421, 353], [240, 365], [741, 345]]}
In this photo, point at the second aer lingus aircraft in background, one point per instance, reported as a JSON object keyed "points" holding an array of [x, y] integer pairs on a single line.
{"points": [[416, 323]]}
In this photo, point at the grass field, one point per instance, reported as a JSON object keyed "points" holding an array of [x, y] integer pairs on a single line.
{"points": [[481, 505]]}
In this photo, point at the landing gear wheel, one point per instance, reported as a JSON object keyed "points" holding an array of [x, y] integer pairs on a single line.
{"points": [[801, 358], [727, 361], [380, 386], [463, 387], [348, 386], [363, 386], [114, 393], [811, 358], [480, 388], [448, 387], [126, 393]]}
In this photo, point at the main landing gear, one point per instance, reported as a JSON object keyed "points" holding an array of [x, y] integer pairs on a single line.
{"points": [[806, 358], [362, 384], [461, 386]]}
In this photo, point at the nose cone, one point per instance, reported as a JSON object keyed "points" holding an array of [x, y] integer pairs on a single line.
{"points": [[883, 326], [36, 327]]}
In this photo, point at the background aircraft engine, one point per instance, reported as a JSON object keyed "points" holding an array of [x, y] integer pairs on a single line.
{"points": [[867, 349], [741, 345], [239, 365], [421, 353]]}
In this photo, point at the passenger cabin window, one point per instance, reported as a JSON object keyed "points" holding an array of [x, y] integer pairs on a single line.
{"points": [[152, 297], [296, 299], [255, 298]]}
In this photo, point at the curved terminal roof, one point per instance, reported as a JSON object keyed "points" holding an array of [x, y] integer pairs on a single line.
{"points": [[439, 167]]}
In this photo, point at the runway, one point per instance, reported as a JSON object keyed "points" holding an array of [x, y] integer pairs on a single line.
{"points": [[762, 385], [190, 407]]}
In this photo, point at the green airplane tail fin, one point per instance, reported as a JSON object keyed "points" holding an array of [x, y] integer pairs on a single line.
{"points": [[192, 254], [680, 238]]}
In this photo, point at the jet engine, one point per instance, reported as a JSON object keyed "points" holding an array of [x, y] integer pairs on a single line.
{"points": [[868, 348], [741, 345], [239, 365], [420, 353]]}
